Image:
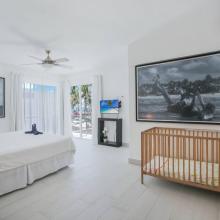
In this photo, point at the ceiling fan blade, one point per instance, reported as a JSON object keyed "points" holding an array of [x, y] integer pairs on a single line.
{"points": [[28, 64], [13, 43], [64, 66], [36, 58], [61, 60]]}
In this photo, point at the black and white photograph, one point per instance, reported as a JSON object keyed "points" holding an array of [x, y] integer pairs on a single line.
{"points": [[179, 90], [2, 97]]}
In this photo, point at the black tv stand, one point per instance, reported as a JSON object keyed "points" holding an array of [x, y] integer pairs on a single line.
{"points": [[101, 125]]}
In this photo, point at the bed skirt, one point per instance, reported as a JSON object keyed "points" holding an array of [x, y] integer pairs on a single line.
{"points": [[42, 168], [18, 176], [12, 177]]}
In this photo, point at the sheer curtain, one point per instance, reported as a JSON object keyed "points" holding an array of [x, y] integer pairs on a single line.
{"points": [[16, 116], [66, 122], [40, 107], [96, 97]]}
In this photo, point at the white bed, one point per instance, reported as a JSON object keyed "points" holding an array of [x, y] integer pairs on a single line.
{"points": [[25, 158]]}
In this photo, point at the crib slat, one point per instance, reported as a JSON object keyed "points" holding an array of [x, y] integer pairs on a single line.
{"points": [[178, 156], [189, 157], [200, 144], [150, 146], [197, 145], [184, 154], [212, 160], [150, 151], [142, 156], [166, 154], [163, 153], [181, 147], [194, 155], [146, 150], [154, 153], [203, 146], [218, 163], [159, 151], [173, 154], [207, 156], [153, 149], [148, 155], [181, 153], [169, 154], [217, 157], [217, 152]]}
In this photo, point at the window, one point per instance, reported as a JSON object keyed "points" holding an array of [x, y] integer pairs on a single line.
{"points": [[40, 107]]}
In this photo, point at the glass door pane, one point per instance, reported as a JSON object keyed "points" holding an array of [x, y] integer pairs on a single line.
{"points": [[75, 107], [81, 104], [86, 111]]}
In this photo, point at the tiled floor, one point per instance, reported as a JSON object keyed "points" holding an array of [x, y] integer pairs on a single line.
{"points": [[102, 185]]}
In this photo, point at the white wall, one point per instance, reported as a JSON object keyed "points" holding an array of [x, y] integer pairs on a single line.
{"points": [[192, 33], [115, 85]]}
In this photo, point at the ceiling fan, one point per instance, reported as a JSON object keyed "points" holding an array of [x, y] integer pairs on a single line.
{"points": [[48, 61]]}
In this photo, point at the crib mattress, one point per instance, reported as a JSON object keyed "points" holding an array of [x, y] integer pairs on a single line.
{"points": [[164, 167]]}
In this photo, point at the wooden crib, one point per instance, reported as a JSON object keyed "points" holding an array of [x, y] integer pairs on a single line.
{"points": [[186, 156]]}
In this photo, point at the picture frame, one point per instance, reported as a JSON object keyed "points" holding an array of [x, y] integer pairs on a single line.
{"points": [[2, 97], [180, 90]]}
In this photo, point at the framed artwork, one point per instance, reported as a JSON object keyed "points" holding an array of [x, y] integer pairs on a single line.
{"points": [[183, 90], [2, 97]]}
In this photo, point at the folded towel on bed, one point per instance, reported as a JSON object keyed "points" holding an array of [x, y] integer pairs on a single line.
{"points": [[34, 130]]}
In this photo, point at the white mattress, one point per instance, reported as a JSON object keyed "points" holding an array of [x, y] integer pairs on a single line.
{"points": [[165, 165], [17, 147], [25, 158]]}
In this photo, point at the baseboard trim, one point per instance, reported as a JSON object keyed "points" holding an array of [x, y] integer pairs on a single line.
{"points": [[134, 161]]}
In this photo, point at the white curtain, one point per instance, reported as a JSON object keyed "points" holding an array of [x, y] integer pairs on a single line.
{"points": [[41, 107], [96, 97], [16, 102], [66, 122]]}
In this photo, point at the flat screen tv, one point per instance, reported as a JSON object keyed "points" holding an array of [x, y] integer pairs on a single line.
{"points": [[110, 106]]}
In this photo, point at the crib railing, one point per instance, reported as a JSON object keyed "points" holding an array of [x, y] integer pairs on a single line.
{"points": [[182, 155]]}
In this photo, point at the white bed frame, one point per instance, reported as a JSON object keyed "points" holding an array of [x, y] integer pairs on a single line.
{"points": [[21, 166], [17, 177]]}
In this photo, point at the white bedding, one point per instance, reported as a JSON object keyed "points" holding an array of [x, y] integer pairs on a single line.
{"points": [[26, 148], [32, 157]]}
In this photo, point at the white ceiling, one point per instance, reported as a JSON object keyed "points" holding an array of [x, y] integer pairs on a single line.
{"points": [[88, 32]]}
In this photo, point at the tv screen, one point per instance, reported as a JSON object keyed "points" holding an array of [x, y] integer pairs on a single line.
{"points": [[110, 106]]}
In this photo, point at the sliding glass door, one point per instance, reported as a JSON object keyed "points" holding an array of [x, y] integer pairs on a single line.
{"points": [[81, 106]]}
